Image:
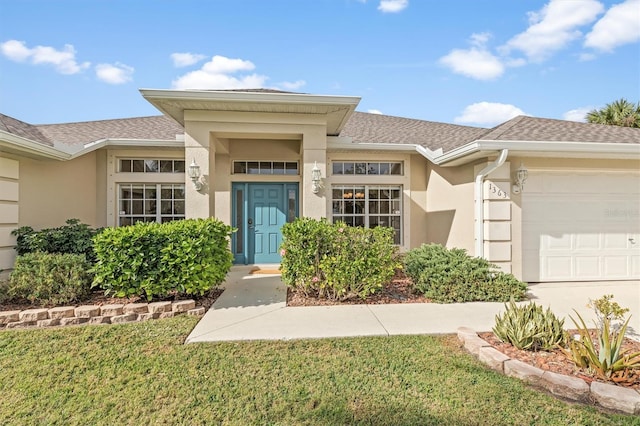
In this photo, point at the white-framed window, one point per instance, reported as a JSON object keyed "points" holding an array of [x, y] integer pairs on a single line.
{"points": [[369, 206], [265, 167], [138, 165], [374, 168], [150, 202]]}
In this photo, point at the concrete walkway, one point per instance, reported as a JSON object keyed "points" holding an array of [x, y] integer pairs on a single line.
{"points": [[253, 307]]}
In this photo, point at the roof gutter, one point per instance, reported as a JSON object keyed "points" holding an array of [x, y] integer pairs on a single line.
{"points": [[30, 147], [479, 201]]}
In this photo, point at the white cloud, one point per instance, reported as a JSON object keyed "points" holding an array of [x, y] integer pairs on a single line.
{"points": [[114, 73], [488, 113], [553, 27], [584, 57], [64, 61], [476, 62], [620, 25], [577, 114], [292, 85], [392, 6], [374, 111], [186, 59], [218, 74]]}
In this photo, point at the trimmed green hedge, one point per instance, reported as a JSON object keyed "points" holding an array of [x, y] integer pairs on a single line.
{"points": [[49, 278], [450, 276], [185, 257], [336, 261], [74, 238]]}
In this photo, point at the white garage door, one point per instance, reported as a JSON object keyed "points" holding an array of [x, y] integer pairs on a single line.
{"points": [[579, 226]]}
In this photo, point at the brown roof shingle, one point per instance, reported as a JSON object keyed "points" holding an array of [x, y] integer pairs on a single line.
{"points": [[22, 129], [377, 128], [154, 127], [523, 128]]}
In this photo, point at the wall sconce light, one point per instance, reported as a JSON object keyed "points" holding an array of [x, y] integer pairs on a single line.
{"points": [[521, 176], [194, 174], [316, 178]]}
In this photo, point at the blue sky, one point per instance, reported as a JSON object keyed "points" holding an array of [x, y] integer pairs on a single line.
{"points": [[458, 61]]}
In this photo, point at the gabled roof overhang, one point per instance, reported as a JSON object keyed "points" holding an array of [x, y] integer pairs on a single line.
{"points": [[174, 103], [482, 149]]}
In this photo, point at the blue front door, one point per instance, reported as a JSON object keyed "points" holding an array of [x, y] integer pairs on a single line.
{"points": [[260, 210]]}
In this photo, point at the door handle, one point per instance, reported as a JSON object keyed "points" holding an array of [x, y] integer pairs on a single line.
{"points": [[632, 240], [250, 223]]}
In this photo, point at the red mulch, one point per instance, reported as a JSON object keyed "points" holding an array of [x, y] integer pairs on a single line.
{"points": [[99, 298], [399, 290]]}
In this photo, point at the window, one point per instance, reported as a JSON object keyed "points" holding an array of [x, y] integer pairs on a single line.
{"points": [[367, 168], [265, 167], [369, 206], [128, 165], [150, 203]]}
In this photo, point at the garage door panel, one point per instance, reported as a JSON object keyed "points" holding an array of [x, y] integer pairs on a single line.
{"points": [[579, 226]]}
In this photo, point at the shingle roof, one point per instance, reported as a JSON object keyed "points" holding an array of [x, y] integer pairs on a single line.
{"points": [[524, 128], [155, 127], [377, 128], [22, 129]]}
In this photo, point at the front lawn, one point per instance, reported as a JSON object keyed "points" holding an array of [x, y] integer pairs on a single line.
{"points": [[142, 374]]}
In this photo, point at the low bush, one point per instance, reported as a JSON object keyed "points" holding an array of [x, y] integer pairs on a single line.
{"points": [[150, 259], [73, 238], [450, 275], [336, 261], [49, 278], [529, 327]]}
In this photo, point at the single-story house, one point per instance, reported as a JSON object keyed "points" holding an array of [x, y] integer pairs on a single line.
{"points": [[548, 200]]}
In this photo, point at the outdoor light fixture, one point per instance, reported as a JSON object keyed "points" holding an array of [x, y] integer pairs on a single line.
{"points": [[315, 178], [194, 174], [521, 176]]}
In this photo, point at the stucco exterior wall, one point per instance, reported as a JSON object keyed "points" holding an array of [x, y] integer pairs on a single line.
{"points": [[9, 209], [53, 191], [449, 210]]}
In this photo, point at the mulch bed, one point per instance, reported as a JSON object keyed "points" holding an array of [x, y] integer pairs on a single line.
{"points": [[98, 298]]}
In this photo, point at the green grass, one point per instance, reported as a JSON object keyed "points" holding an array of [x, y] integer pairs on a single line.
{"points": [[142, 374]]}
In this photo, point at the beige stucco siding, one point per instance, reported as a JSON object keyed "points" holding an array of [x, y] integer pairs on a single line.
{"points": [[53, 191], [9, 209], [449, 208]]}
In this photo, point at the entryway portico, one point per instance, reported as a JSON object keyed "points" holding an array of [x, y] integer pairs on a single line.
{"points": [[234, 137]]}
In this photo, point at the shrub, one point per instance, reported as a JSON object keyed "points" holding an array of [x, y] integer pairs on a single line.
{"points": [[74, 238], [606, 358], [336, 261], [530, 328], [450, 276], [49, 278], [151, 259]]}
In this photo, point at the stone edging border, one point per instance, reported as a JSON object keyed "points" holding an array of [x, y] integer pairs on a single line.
{"points": [[97, 314], [608, 396]]}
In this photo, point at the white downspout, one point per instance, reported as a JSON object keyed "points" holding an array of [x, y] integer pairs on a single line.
{"points": [[479, 201]]}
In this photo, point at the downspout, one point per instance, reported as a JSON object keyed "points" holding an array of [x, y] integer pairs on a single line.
{"points": [[479, 201]]}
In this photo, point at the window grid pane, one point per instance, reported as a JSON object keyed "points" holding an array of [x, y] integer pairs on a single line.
{"points": [[150, 165], [370, 168], [265, 167], [368, 206], [150, 203]]}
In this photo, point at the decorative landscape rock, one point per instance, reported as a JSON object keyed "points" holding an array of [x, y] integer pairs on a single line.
{"points": [[607, 395], [135, 308], [62, 312], [9, 316], [33, 315], [111, 310], [616, 398], [94, 314], [119, 319], [87, 311], [158, 307], [183, 306]]}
